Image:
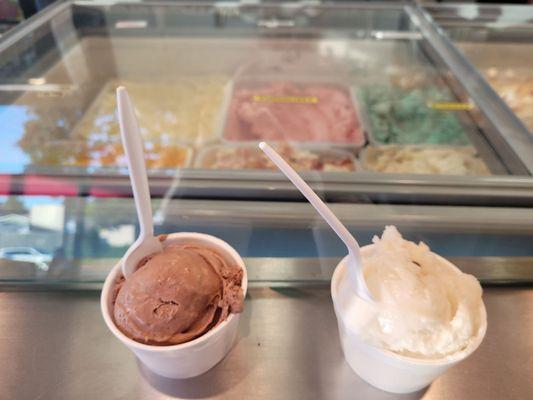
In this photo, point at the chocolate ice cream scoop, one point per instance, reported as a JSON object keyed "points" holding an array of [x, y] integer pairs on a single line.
{"points": [[177, 295]]}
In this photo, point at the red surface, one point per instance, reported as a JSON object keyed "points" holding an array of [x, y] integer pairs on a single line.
{"points": [[48, 186], [106, 192], [5, 184]]}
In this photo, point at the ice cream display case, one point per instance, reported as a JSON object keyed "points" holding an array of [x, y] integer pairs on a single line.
{"points": [[327, 85], [378, 106]]}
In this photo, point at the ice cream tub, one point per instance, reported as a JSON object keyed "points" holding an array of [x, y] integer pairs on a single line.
{"points": [[382, 368], [424, 115], [109, 157], [423, 159], [184, 109], [301, 157], [307, 111], [194, 357], [515, 87]]}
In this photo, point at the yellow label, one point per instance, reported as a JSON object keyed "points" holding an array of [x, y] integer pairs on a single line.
{"points": [[450, 106], [284, 99]]}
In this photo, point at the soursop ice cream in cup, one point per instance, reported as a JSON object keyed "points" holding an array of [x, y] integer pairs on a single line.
{"points": [[428, 315]]}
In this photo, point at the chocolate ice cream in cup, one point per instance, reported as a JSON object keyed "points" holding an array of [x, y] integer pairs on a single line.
{"points": [[173, 300], [190, 358], [428, 315]]}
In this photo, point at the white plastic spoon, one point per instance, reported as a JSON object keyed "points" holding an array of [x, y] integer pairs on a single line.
{"points": [[355, 265], [146, 243]]}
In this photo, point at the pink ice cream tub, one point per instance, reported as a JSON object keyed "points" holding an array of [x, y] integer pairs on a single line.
{"points": [[293, 111]]}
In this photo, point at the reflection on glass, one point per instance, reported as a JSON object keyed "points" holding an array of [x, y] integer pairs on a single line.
{"points": [[12, 121], [31, 230], [48, 122], [80, 239]]}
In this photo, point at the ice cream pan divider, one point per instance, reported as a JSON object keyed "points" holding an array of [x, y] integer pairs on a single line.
{"points": [[364, 117]]}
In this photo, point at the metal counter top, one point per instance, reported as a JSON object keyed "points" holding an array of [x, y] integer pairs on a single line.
{"points": [[55, 345]]}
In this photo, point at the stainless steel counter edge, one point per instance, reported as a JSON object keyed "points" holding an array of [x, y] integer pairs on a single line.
{"points": [[55, 345]]}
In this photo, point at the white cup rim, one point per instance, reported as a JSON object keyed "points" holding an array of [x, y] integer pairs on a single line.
{"points": [[449, 359], [116, 271]]}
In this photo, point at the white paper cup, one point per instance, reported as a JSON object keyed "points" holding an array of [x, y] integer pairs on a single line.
{"points": [[193, 358], [385, 369]]}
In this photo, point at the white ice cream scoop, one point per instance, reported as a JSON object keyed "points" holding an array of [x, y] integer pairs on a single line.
{"points": [[355, 264], [146, 243]]}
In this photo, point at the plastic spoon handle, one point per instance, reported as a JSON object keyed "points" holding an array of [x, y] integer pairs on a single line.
{"points": [[355, 263], [146, 243], [313, 198], [132, 142]]}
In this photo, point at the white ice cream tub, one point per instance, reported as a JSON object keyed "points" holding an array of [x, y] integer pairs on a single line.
{"points": [[193, 358], [382, 368]]}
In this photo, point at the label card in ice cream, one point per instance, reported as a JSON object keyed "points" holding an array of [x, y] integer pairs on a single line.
{"points": [[258, 98], [450, 106]]}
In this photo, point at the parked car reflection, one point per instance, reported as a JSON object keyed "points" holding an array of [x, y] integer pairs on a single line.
{"points": [[27, 254]]}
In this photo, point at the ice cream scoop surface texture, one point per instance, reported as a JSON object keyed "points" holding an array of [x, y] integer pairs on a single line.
{"points": [[177, 295], [425, 308]]}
